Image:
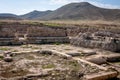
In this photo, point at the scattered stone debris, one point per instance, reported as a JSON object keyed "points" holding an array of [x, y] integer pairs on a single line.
{"points": [[7, 56], [35, 66], [56, 65], [46, 52], [8, 59]]}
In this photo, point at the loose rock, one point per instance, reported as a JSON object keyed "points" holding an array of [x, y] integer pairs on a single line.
{"points": [[8, 59]]}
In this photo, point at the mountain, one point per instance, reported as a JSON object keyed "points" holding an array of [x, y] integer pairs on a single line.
{"points": [[72, 11], [9, 16], [35, 14], [81, 11]]}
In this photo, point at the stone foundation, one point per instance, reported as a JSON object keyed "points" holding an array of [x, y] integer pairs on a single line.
{"points": [[89, 40], [44, 40], [15, 33], [19, 33]]}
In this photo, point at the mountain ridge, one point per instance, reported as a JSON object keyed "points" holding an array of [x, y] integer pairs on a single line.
{"points": [[9, 16], [35, 14], [73, 11], [83, 10]]}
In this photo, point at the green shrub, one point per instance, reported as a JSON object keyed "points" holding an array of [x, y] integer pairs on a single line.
{"points": [[48, 66], [5, 49]]}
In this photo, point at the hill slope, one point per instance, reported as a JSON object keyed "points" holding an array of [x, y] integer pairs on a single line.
{"points": [[83, 10], [9, 16], [72, 11], [35, 14]]}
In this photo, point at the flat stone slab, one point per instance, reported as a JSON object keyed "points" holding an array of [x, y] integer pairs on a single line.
{"points": [[73, 54], [101, 76], [89, 52]]}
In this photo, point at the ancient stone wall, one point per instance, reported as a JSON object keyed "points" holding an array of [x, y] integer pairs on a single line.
{"points": [[99, 40], [46, 32], [75, 30], [45, 40], [11, 32]]}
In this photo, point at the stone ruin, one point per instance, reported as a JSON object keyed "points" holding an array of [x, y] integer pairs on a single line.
{"points": [[28, 34], [54, 65], [101, 39], [17, 34]]}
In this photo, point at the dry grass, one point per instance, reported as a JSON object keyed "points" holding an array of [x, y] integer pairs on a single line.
{"points": [[67, 21], [84, 25], [79, 22], [71, 23]]}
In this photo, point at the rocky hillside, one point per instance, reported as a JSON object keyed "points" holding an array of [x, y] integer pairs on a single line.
{"points": [[9, 16], [83, 10], [35, 14], [72, 11]]}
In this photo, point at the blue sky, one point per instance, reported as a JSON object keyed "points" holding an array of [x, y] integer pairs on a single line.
{"points": [[24, 6]]}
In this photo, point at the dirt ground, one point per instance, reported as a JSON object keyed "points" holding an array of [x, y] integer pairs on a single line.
{"points": [[47, 66], [59, 47]]}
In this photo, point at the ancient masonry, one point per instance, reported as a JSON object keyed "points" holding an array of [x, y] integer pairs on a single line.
{"points": [[103, 40], [89, 69], [13, 34], [17, 33]]}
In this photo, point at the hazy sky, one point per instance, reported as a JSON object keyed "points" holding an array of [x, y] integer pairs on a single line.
{"points": [[25, 6]]}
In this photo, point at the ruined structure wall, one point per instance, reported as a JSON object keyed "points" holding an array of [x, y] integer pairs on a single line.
{"points": [[9, 29], [34, 34], [37, 34], [103, 40], [74, 31], [96, 44], [46, 32]]}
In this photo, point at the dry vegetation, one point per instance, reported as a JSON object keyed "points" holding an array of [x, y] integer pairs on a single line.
{"points": [[67, 22], [85, 25]]}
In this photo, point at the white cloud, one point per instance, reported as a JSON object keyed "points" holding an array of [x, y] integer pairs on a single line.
{"points": [[105, 5], [94, 2], [62, 2]]}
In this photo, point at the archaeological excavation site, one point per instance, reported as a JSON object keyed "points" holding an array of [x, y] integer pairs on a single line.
{"points": [[32, 50]]}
